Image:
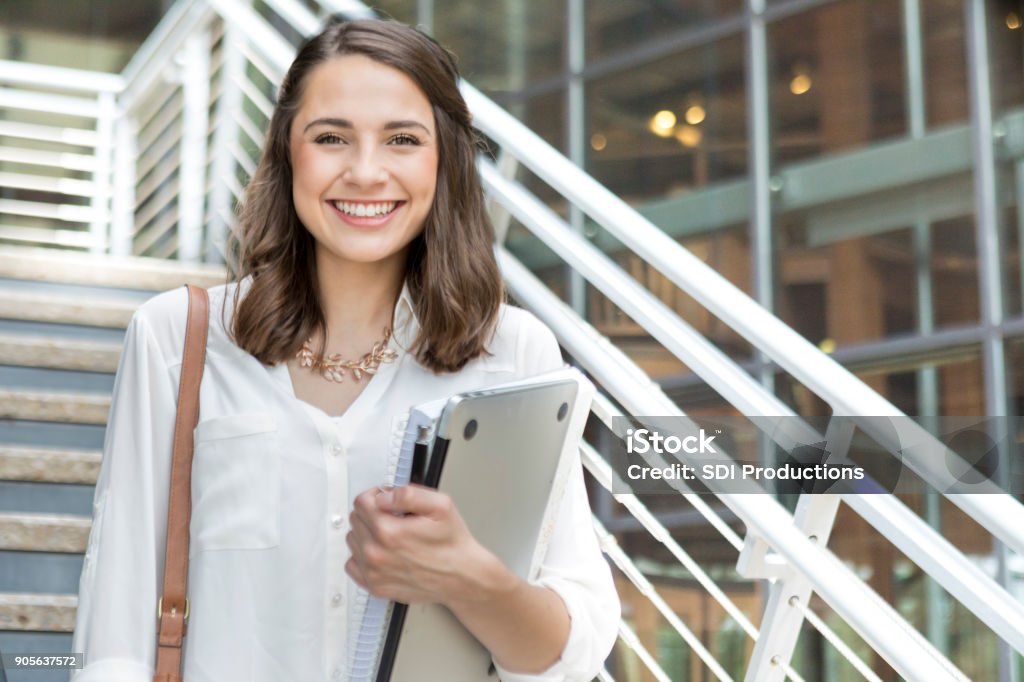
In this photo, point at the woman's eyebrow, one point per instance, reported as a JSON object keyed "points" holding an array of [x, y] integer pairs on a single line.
{"points": [[345, 123]]}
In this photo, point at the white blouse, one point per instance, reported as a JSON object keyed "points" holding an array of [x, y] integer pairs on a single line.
{"points": [[273, 483]]}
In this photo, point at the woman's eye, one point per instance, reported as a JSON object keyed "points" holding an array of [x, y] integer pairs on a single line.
{"points": [[404, 139], [328, 138]]}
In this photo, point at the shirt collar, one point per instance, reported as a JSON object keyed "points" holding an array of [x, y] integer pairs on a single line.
{"points": [[405, 325]]}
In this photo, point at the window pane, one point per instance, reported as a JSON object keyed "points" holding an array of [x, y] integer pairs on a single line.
{"points": [[670, 126], [616, 25], [945, 44], [837, 78], [838, 290]]}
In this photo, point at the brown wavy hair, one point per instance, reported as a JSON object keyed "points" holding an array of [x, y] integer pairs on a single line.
{"points": [[453, 278]]}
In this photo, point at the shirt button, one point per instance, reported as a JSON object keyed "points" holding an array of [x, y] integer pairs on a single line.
{"points": [[337, 450], [336, 599], [337, 520]]}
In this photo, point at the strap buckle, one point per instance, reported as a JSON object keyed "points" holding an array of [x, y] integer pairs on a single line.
{"points": [[160, 608]]}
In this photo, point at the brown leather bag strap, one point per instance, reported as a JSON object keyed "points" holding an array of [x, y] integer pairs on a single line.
{"points": [[172, 607]]}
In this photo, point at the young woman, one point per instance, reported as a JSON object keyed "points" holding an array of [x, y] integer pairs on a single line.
{"points": [[367, 285]]}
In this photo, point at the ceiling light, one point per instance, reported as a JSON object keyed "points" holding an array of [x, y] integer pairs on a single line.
{"points": [[800, 84], [598, 142], [662, 123], [695, 114]]}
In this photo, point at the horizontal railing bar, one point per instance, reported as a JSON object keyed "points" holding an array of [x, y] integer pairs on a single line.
{"points": [[611, 548], [869, 615], [42, 133], [78, 188], [847, 395], [45, 235], [59, 77], [35, 157], [51, 104], [68, 213]]}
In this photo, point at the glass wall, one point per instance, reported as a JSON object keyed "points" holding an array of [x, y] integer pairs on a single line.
{"points": [[882, 139]]}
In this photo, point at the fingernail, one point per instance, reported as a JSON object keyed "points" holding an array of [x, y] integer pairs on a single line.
{"points": [[386, 495]]}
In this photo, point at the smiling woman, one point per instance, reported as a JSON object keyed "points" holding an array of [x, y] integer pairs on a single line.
{"points": [[366, 285]]}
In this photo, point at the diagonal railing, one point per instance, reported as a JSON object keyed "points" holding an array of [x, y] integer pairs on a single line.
{"points": [[163, 152]]}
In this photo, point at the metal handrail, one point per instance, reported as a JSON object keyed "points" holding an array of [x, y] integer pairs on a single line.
{"points": [[847, 395], [870, 616], [59, 77], [923, 544]]}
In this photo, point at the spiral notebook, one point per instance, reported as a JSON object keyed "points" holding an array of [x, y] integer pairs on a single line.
{"points": [[504, 455]]}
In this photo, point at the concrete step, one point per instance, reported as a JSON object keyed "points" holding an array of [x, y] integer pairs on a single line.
{"points": [[155, 274], [74, 408], [89, 312], [38, 612], [49, 465], [44, 532], [58, 353]]}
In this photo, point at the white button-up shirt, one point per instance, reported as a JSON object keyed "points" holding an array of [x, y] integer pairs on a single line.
{"points": [[273, 482]]}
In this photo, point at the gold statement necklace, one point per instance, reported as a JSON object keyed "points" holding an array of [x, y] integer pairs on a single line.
{"points": [[333, 367]]}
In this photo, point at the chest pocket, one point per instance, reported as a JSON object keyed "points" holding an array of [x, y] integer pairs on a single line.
{"points": [[236, 484]]}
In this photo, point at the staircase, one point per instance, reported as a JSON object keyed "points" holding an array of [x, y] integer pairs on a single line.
{"points": [[62, 321], [157, 157]]}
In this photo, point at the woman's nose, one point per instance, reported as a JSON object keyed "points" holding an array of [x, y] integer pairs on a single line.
{"points": [[364, 167]]}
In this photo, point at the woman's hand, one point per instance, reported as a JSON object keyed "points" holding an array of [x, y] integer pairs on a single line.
{"points": [[428, 555], [410, 545]]}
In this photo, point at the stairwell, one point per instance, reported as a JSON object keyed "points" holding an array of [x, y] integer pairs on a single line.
{"points": [[62, 322]]}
